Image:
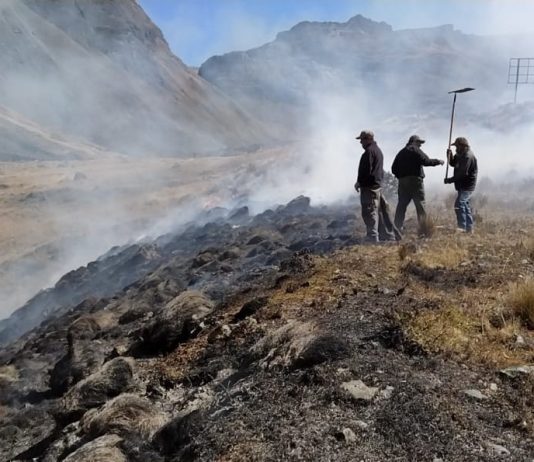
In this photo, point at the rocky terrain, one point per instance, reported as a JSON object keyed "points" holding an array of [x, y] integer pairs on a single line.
{"points": [[280, 337], [102, 72]]}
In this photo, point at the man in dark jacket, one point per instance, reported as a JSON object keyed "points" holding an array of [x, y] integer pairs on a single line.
{"points": [[369, 184], [465, 180], [408, 168]]}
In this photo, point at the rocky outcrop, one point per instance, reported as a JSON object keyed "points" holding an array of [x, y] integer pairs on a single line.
{"points": [[176, 322], [114, 378]]}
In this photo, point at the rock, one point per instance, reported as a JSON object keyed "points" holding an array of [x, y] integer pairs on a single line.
{"points": [[124, 415], [84, 356], [361, 425], [350, 436], [387, 392], [497, 449], [115, 377], [518, 371], [239, 215], [298, 345], [493, 387], [103, 449], [178, 321], [358, 391], [176, 435], [300, 204], [475, 394], [250, 308]]}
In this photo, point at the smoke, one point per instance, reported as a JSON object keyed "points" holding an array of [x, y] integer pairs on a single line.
{"points": [[336, 88]]}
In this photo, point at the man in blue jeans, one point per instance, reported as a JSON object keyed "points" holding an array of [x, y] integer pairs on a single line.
{"points": [[465, 180]]}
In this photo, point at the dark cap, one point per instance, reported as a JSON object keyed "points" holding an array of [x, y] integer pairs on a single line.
{"points": [[460, 141], [366, 134], [415, 139]]}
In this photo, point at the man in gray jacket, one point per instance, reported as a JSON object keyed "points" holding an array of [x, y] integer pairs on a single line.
{"points": [[465, 180], [408, 168]]}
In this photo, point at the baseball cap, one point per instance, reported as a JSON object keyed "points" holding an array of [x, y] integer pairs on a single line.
{"points": [[460, 141], [366, 134], [415, 138]]}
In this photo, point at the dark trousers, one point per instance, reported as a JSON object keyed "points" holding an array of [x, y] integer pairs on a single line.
{"points": [[411, 188]]}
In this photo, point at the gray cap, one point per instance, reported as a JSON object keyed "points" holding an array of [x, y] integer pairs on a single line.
{"points": [[460, 141], [415, 139], [366, 134]]}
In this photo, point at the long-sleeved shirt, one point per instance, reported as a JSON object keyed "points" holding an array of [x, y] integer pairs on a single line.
{"points": [[410, 162], [370, 170], [465, 171]]}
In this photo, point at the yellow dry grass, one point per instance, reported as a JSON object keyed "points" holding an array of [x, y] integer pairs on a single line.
{"points": [[8, 374], [478, 324], [521, 301], [528, 245], [446, 255], [427, 226]]}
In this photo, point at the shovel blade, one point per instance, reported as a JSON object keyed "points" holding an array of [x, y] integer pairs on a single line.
{"points": [[461, 90]]}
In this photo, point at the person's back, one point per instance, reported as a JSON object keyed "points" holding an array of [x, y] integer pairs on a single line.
{"points": [[408, 168], [410, 162], [371, 168]]}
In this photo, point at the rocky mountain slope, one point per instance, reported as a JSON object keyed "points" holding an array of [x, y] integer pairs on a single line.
{"points": [[277, 337], [366, 65], [102, 72]]}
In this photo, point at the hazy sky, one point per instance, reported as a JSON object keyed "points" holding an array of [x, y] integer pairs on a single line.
{"points": [[198, 29]]}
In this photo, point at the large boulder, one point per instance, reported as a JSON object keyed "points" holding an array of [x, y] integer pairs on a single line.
{"points": [[115, 377], [177, 321], [84, 356]]}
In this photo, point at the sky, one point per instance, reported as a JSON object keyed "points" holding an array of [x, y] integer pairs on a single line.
{"points": [[199, 29]]}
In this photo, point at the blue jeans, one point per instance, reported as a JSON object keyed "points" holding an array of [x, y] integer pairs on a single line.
{"points": [[462, 207]]}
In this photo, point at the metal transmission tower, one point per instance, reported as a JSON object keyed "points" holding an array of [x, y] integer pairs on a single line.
{"points": [[520, 72]]}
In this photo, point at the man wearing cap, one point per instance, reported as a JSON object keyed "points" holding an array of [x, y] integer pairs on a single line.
{"points": [[408, 168], [465, 180], [369, 184]]}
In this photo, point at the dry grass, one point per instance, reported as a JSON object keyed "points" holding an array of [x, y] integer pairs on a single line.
{"points": [[406, 249], [427, 226], [443, 255], [8, 374], [521, 301], [466, 333], [126, 413], [528, 245]]}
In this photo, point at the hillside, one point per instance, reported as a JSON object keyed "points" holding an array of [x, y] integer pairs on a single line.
{"points": [[102, 72], [363, 67], [278, 337]]}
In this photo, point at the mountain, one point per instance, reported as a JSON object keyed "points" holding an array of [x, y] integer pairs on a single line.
{"points": [[366, 64], [102, 72]]}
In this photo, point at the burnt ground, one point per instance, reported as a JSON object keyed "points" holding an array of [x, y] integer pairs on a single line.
{"points": [[280, 337]]}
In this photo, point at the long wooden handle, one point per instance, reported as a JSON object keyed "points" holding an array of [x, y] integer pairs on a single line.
{"points": [[450, 135]]}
